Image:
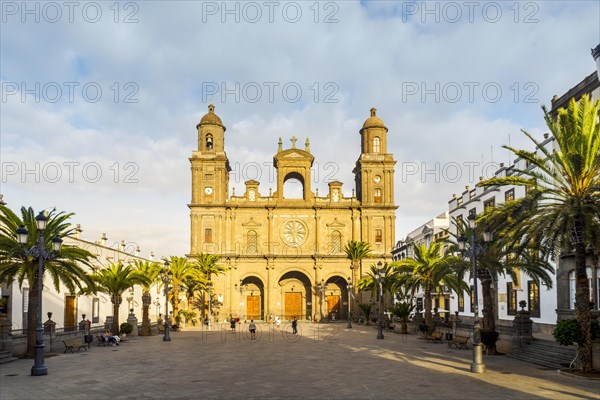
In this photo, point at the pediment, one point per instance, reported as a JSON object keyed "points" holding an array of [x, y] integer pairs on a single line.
{"points": [[336, 224], [251, 223]]}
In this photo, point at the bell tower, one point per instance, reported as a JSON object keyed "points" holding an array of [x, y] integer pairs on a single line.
{"points": [[374, 177], [210, 182]]}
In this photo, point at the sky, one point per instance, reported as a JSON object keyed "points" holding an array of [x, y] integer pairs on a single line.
{"points": [[100, 100]]}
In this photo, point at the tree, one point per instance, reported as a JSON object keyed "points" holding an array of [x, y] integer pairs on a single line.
{"points": [[207, 265], [429, 270], [402, 310], [369, 281], [356, 252], [182, 269], [114, 280], [150, 270], [494, 259], [67, 268], [562, 207]]}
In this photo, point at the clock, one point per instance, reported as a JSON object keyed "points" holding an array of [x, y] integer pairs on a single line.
{"points": [[208, 190], [377, 179]]}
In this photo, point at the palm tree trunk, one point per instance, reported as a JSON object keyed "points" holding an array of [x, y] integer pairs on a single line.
{"points": [[116, 300], [146, 300], [582, 300], [32, 310], [428, 319], [175, 303], [489, 320]]}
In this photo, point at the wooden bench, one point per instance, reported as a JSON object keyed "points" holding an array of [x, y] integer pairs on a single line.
{"points": [[161, 328], [435, 337], [459, 341], [70, 344]]}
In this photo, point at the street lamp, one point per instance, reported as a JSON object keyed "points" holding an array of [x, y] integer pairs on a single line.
{"points": [[209, 287], [40, 252], [349, 287], [166, 278], [379, 277], [321, 289], [477, 366]]}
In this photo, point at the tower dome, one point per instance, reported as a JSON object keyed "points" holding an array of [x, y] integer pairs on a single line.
{"points": [[211, 118], [374, 121]]}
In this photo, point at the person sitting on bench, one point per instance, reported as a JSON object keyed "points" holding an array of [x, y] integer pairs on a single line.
{"points": [[109, 338]]}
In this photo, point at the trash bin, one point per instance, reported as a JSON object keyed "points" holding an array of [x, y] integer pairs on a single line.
{"points": [[448, 335], [89, 339]]}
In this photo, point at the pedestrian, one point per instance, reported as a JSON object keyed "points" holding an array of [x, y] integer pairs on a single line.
{"points": [[232, 322], [277, 322], [252, 327], [295, 326]]}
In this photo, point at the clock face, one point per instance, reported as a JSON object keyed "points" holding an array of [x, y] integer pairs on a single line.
{"points": [[377, 179], [208, 190]]}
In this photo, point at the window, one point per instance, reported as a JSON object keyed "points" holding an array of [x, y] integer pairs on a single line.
{"points": [[208, 238], [459, 219], [472, 299], [572, 290], [472, 193], [511, 298], [377, 196], [533, 293], [461, 301], [472, 211], [95, 310], [459, 201], [509, 195], [336, 242], [252, 239], [209, 142], [376, 145], [489, 204], [378, 236]]}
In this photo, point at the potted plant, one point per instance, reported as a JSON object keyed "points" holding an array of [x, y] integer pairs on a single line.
{"points": [[489, 339], [567, 333], [125, 328]]}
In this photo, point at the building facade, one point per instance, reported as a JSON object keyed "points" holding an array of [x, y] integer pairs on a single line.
{"points": [[284, 252]]}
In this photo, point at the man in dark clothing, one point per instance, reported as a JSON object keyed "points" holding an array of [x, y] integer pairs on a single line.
{"points": [[295, 326]]}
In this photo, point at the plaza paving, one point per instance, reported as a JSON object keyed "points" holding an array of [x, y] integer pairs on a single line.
{"points": [[323, 361]]}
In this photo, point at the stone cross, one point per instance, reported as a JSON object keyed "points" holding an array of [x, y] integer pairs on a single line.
{"points": [[294, 139]]}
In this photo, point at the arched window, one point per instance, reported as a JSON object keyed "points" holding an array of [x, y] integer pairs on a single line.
{"points": [[336, 242], [377, 196], [572, 286], [209, 142], [376, 145], [252, 239]]}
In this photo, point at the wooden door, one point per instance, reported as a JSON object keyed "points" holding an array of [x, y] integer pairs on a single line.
{"points": [[253, 308], [333, 307], [293, 305], [70, 313]]}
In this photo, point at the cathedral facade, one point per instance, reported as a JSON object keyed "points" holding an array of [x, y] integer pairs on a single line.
{"points": [[285, 255]]}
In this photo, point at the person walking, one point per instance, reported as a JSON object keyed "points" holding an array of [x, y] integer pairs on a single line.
{"points": [[252, 327], [232, 322], [295, 326], [277, 322]]}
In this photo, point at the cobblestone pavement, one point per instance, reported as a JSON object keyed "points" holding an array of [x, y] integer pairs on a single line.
{"points": [[323, 361]]}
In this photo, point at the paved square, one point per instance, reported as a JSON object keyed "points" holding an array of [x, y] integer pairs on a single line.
{"points": [[323, 361]]}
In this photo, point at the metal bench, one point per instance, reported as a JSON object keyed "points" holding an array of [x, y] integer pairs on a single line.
{"points": [[71, 344]]}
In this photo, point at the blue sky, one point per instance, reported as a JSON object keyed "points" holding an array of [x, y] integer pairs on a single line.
{"points": [[450, 86]]}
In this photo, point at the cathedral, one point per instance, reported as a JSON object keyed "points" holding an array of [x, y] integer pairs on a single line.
{"points": [[285, 255]]}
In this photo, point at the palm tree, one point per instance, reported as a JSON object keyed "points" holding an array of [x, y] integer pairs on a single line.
{"points": [[495, 259], [207, 265], [182, 269], [356, 252], [562, 207], [369, 281], [114, 280], [65, 268], [150, 270], [429, 270], [402, 310]]}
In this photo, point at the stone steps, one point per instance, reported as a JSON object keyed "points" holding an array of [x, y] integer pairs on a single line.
{"points": [[546, 353], [6, 356]]}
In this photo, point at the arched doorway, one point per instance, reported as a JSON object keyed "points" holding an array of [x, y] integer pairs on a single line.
{"points": [[335, 301], [253, 298], [295, 296]]}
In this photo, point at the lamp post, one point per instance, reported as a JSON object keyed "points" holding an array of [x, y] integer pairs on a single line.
{"points": [[209, 287], [166, 278], [349, 287], [40, 252], [321, 289], [379, 277], [477, 366]]}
